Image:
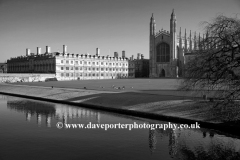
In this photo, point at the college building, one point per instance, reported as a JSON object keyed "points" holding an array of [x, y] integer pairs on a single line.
{"points": [[68, 66], [3, 67]]}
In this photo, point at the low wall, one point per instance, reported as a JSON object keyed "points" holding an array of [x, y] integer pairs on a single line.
{"points": [[12, 78]]}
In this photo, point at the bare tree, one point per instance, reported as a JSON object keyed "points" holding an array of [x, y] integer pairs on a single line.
{"points": [[216, 65]]}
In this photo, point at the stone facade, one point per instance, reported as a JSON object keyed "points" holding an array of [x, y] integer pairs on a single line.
{"points": [[131, 68], [68, 66], [168, 52], [3, 67], [71, 66], [141, 67]]}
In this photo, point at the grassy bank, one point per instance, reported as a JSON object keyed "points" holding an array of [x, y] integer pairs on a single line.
{"points": [[180, 109]]}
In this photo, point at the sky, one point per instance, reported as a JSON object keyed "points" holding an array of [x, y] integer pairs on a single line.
{"points": [[110, 25]]}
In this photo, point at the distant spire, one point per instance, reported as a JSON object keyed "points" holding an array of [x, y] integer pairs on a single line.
{"points": [[199, 41], [152, 25], [207, 41], [190, 41], [173, 14], [195, 41], [180, 39], [180, 36], [203, 42], [152, 19], [185, 37]]}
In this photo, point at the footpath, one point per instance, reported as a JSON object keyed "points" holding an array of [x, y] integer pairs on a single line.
{"points": [[174, 108]]}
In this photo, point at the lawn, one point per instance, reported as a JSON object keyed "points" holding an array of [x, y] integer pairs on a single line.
{"points": [[128, 84]]}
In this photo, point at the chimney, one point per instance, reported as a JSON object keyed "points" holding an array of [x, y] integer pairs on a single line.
{"points": [[132, 57], [27, 52], [142, 57], [138, 56], [48, 49], [38, 50], [64, 49], [115, 54], [123, 54], [98, 52]]}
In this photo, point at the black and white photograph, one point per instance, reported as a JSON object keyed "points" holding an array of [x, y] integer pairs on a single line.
{"points": [[120, 79]]}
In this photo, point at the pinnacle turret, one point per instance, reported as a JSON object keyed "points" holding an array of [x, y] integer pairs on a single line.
{"points": [[152, 19], [152, 25], [173, 16]]}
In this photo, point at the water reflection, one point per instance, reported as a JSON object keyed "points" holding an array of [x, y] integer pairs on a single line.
{"points": [[152, 140], [195, 144], [47, 111], [186, 144]]}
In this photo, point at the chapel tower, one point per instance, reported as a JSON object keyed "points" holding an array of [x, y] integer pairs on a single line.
{"points": [[173, 36], [152, 67]]}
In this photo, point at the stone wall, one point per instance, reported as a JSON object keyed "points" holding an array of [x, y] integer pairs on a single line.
{"points": [[12, 78]]}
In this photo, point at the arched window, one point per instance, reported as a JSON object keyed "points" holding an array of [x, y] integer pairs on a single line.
{"points": [[163, 52]]}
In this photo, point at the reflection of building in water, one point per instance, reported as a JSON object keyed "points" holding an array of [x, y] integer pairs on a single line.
{"points": [[28, 116], [173, 142], [39, 119], [173, 139], [3, 97], [48, 121], [31, 108], [46, 111], [64, 113], [152, 140]]}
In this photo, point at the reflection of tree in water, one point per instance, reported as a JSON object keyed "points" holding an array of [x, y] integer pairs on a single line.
{"points": [[197, 145], [216, 151], [152, 140]]}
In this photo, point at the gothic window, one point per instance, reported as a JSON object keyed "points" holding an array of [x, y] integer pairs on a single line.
{"points": [[163, 52]]}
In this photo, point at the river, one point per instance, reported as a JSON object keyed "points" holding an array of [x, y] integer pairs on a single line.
{"points": [[29, 131]]}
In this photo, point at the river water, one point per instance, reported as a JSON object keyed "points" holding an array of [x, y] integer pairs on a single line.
{"points": [[28, 131]]}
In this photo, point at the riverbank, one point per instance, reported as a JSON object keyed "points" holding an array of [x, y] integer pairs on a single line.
{"points": [[174, 108]]}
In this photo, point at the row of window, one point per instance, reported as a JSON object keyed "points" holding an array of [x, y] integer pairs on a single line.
{"points": [[93, 63], [91, 74], [50, 67], [93, 69]]}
